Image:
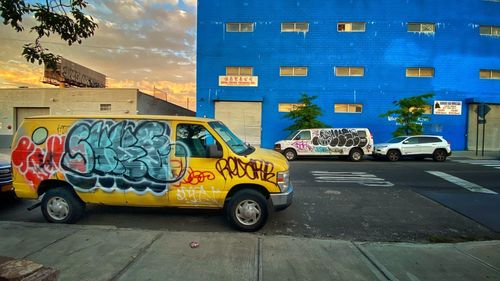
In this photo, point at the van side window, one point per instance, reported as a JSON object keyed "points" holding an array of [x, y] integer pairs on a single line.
{"points": [[304, 135], [412, 141], [428, 139], [196, 138]]}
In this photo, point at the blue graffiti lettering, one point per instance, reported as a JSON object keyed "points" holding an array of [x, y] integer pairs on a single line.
{"points": [[121, 155]]}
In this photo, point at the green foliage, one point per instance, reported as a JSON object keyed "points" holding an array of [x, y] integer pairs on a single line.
{"points": [[409, 114], [64, 18], [304, 116]]}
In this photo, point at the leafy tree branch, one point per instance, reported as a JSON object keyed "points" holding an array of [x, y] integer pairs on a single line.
{"points": [[305, 116], [409, 114], [64, 18]]}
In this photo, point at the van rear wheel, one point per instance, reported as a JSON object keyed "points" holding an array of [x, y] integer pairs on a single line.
{"points": [[356, 154], [60, 205], [247, 210], [290, 154]]}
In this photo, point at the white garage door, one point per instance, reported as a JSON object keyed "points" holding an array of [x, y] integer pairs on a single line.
{"points": [[243, 118], [23, 112]]}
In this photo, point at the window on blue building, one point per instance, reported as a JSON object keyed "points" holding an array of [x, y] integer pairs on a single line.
{"points": [[349, 71], [348, 108], [239, 71], [489, 30], [293, 71], [239, 27], [287, 107], [489, 74], [294, 27], [351, 27], [422, 27], [419, 72]]}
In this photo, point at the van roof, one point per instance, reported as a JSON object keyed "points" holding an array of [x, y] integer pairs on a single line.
{"points": [[124, 116]]}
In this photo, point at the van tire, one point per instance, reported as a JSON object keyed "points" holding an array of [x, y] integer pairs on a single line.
{"points": [[290, 154], [439, 155], [356, 155], [247, 210], [61, 205], [393, 155]]}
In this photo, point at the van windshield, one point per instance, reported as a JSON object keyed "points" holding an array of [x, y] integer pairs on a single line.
{"points": [[290, 136], [236, 145]]}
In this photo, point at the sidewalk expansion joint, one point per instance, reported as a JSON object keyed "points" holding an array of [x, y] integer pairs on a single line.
{"points": [[141, 253], [383, 273], [477, 259], [258, 259], [52, 243]]}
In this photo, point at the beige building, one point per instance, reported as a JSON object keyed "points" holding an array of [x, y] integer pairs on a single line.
{"points": [[16, 104]]}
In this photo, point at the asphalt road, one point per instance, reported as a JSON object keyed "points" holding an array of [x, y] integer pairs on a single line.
{"points": [[364, 201]]}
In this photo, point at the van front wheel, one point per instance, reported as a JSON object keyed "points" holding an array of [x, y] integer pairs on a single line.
{"points": [[60, 205], [356, 154], [290, 154], [247, 210]]}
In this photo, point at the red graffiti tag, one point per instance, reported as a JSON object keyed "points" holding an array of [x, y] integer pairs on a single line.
{"points": [[196, 177], [35, 163], [254, 169]]}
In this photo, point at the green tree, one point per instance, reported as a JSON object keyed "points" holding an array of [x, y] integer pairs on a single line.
{"points": [[409, 114], [64, 18], [304, 116]]}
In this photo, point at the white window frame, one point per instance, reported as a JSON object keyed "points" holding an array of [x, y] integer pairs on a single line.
{"points": [[294, 29], [239, 70], [350, 74], [287, 107], [420, 72], [350, 25], [349, 106], [490, 74], [494, 31], [294, 68], [240, 24], [421, 27]]}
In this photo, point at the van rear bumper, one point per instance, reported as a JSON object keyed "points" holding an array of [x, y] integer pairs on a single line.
{"points": [[281, 201]]}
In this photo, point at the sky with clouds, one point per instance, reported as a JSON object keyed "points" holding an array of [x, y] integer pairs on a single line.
{"points": [[144, 44]]}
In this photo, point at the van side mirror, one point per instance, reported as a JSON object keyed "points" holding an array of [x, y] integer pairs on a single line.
{"points": [[214, 151], [406, 142]]}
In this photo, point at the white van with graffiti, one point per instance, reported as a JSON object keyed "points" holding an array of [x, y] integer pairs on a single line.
{"points": [[349, 142], [153, 161]]}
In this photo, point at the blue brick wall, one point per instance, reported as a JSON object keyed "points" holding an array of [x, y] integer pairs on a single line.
{"points": [[456, 51]]}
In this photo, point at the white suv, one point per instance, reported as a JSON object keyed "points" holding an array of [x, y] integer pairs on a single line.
{"points": [[415, 146]]}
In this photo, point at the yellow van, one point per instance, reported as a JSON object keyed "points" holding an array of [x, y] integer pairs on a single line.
{"points": [[156, 161]]}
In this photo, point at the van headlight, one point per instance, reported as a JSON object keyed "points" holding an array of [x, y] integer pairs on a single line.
{"points": [[283, 180]]}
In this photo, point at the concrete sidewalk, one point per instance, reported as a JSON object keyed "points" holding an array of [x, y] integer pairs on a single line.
{"points": [[471, 154], [109, 253]]}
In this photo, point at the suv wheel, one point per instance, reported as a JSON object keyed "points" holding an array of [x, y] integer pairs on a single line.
{"points": [[393, 155], [439, 155], [247, 210]]}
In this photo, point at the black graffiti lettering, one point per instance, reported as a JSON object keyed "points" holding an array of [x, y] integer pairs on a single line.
{"points": [[340, 138], [254, 169]]}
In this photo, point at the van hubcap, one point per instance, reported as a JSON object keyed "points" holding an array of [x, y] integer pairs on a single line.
{"points": [[57, 208], [248, 212]]}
